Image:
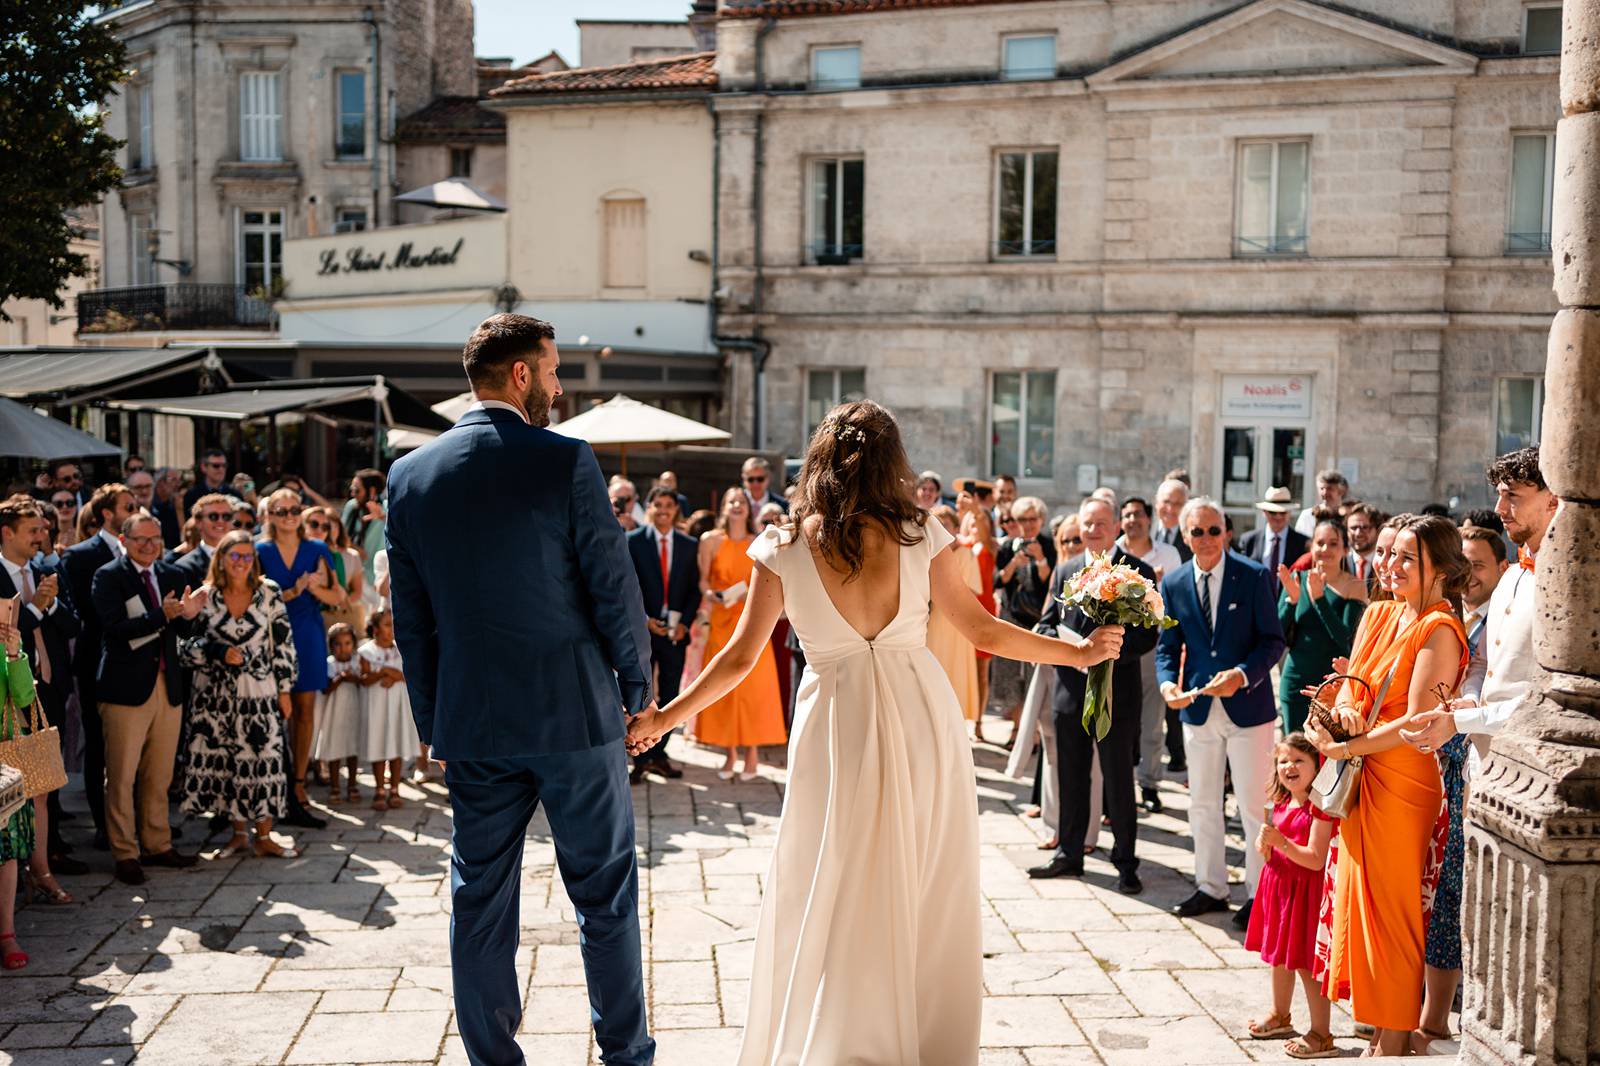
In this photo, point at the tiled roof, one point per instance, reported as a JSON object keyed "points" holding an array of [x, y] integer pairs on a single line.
{"points": [[800, 8], [695, 71], [452, 118]]}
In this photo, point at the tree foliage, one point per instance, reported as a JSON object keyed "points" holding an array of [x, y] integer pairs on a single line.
{"points": [[56, 66]]}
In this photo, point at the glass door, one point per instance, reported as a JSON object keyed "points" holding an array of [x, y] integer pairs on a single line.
{"points": [[1259, 457]]}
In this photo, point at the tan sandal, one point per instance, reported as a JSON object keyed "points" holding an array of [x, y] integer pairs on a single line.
{"points": [[395, 802], [1312, 1045], [236, 844], [352, 794], [379, 803], [1273, 1027]]}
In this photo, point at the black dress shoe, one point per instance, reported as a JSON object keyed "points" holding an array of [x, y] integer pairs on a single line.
{"points": [[1241, 917], [1178, 766], [129, 872], [637, 773], [171, 859], [66, 864], [665, 769], [1152, 801], [1129, 884], [1198, 904], [1058, 866], [303, 819]]}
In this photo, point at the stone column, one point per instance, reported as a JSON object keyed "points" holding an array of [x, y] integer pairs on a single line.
{"points": [[1531, 907]]}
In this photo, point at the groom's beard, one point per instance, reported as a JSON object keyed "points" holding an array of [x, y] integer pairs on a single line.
{"points": [[537, 405]]}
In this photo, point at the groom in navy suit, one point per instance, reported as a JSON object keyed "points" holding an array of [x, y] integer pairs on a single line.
{"points": [[522, 656], [668, 567], [1226, 643]]}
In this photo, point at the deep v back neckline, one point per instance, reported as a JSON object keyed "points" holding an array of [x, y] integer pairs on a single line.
{"points": [[900, 584]]}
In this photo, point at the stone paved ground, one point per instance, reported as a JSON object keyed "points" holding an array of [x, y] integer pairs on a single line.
{"points": [[340, 956]]}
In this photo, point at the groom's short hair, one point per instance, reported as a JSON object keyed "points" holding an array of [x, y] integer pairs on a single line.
{"points": [[499, 341]]}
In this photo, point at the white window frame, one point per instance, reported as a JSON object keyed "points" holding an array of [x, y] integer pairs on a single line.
{"points": [[812, 234], [1277, 144], [1055, 55], [838, 391], [241, 228], [1543, 247], [1537, 422], [1526, 12], [1017, 464], [820, 86], [145, 157], [1027, 204], [260, 132], [339, 115], [141, 264]]}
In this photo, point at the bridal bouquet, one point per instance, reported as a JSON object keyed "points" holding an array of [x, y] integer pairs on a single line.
{"points": [[1111, 595]]}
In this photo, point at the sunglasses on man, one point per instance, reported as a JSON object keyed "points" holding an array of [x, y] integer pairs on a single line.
{"points": [[1205, 531], [216, 516], [284, 512]]}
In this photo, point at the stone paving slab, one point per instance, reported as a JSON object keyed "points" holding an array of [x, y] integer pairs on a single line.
{"points": [[341, 955]]}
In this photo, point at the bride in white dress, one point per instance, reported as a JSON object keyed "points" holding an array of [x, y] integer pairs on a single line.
{"points": [[868, 949]]}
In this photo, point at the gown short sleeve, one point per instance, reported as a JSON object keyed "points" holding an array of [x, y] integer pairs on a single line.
{"points": [[935, 536], [765, 549]]}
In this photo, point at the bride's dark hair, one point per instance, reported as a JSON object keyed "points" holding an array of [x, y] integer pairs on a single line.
{"points": [[855, 472]]}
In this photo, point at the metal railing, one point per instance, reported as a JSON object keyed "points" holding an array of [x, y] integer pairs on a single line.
{"points": [[1009, 249], [181, 305], [1279, 244], [1527, 243]]}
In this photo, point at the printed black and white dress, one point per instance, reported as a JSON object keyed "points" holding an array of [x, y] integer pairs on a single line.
{"points": [[235, 758]]}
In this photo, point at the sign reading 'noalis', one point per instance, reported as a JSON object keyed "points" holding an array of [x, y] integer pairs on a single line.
{"points": [[358, 260]]}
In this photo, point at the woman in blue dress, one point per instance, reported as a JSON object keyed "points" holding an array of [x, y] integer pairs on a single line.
{"points": [[304, 570]]}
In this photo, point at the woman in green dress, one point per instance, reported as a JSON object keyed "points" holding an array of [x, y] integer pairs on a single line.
{"points": [[16, 833], [1319, 610]]}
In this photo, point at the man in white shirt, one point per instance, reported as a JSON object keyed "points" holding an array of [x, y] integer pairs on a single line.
{"points": [[1500, 680], [1163, 559], [1332, 488]]}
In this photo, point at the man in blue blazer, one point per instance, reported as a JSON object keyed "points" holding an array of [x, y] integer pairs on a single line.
{"points": [[520, 622], [668, 567], [1227, 641]]}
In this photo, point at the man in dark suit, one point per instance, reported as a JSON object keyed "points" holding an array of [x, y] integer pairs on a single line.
{"points": [[667, 565], [757, 477], [1075, 748], [47, 623], [141, 684], [1275, 544], [522, 660], [1224, 647], [109, 507], [1171, 495], [213, 517]]}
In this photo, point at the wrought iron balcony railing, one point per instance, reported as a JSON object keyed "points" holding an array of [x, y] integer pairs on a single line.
{"points": [[1280, 244], [1527, 243], [181, 305]]}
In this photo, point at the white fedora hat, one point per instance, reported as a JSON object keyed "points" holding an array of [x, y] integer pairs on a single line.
{"points": [[1278, 501]]}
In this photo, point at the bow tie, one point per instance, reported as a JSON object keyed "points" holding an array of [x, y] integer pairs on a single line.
{"points": [[1525, 559]]}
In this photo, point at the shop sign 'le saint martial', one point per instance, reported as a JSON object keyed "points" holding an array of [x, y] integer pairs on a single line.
{"points": [[358, 260]]}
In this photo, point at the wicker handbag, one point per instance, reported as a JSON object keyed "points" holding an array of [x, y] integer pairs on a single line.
{"points": [[1338, 783], [37, 753]]}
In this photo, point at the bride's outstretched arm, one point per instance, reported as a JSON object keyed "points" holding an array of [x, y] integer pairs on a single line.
{"points": [[990, 634], [762, 609]]}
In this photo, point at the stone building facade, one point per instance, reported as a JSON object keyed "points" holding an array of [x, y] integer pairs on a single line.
{"points": [[1085, 241], [249, 124]]}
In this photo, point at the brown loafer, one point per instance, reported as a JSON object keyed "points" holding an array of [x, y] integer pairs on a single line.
{"points": [[169, 858], [129, 872]]}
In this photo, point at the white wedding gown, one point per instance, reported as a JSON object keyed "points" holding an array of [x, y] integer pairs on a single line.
{"points": [[869, 948]]}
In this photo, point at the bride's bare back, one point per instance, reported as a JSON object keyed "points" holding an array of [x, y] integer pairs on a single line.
{"points": [[869, 602]]}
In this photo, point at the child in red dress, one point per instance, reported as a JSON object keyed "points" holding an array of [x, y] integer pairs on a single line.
{"points": [[1283, 923]]}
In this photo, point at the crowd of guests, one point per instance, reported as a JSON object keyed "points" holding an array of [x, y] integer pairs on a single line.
{"points": [[214, 645]]}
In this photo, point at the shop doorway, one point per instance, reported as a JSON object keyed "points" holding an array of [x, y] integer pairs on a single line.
{"points": [[1263, 441]]}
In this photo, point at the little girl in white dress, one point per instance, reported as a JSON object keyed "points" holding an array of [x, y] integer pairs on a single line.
{"points": [[390, 733], [340, 714]]}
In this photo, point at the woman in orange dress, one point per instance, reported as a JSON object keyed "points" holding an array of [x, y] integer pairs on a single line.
{"points": [[1379, 924], [752, 714], [977, 536]]}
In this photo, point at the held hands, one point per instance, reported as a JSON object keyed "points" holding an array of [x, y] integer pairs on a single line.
{"points": [[1291, 587], [645, 729], [1432, 730], [1104, 643]]}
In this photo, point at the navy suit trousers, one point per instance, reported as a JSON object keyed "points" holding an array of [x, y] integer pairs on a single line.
{"points": [[590, 810]]}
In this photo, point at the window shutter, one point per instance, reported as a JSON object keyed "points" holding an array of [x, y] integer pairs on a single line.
{"points": [[625, 248]]}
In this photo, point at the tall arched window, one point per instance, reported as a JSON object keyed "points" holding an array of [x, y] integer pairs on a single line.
{"points": [[623, 243]]}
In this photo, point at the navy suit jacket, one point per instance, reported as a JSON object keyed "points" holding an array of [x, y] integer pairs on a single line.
{"points": [[1247, 636], [1253, 543], [78, 566], [516, 606], [128, 674], [683, 580], [58, 627]]}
